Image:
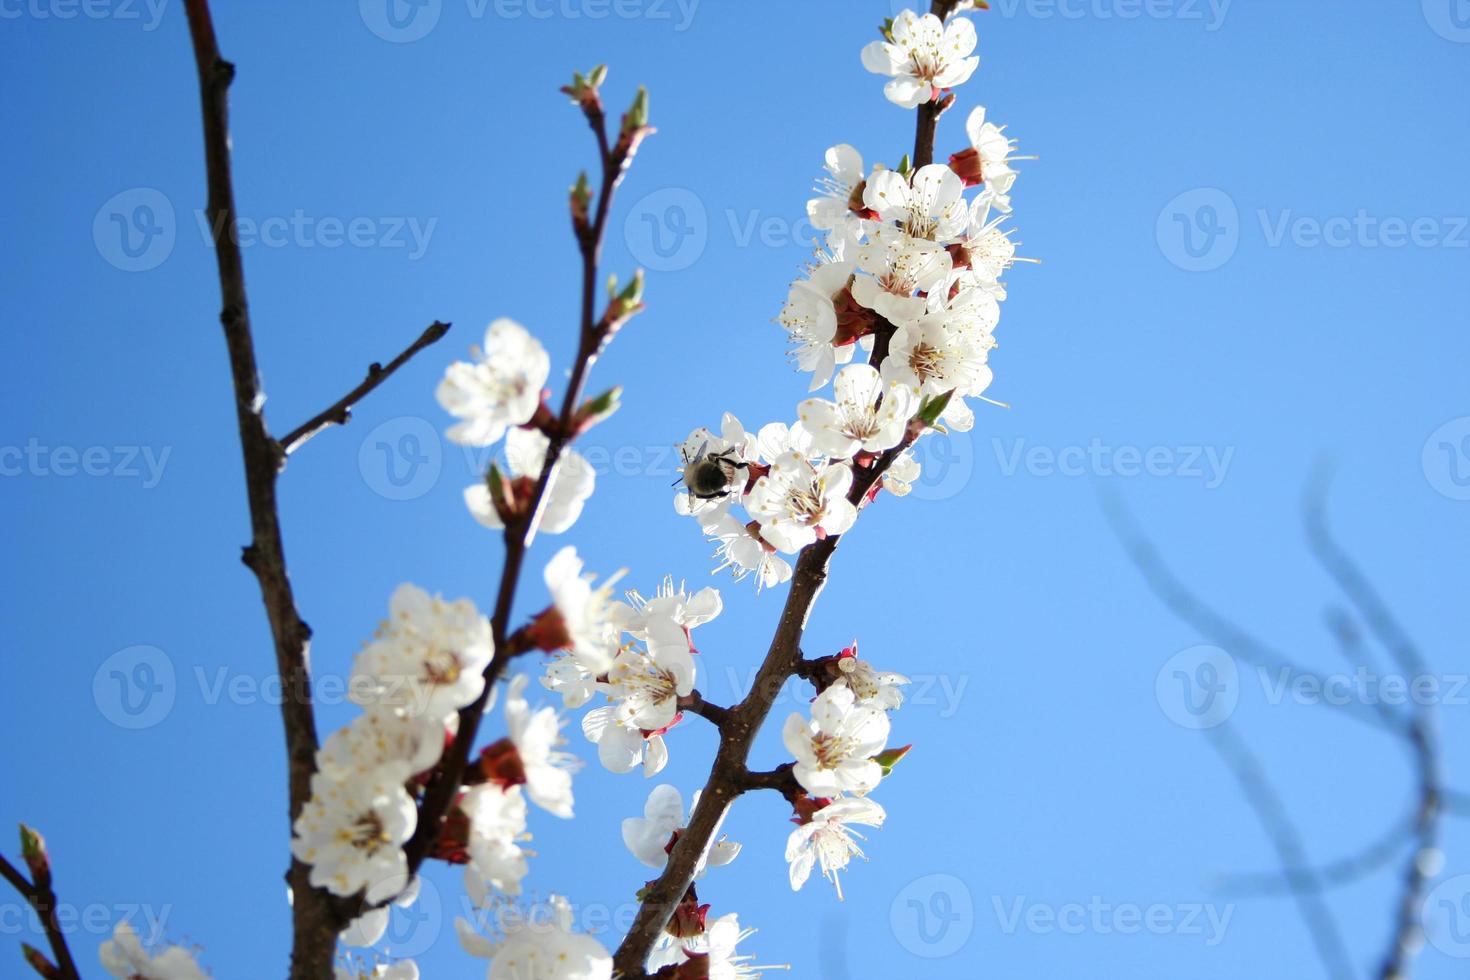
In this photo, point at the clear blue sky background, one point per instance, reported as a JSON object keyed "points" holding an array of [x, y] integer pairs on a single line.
{"points": [[1046, 772]]}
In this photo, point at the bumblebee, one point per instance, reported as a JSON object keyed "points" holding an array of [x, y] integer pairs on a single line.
{"points": [[710, 476]]}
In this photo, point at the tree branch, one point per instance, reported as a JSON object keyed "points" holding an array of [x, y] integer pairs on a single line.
{"points": [[447, 778], [340, 412], [42, 897], [694, 703], [729, 776]]}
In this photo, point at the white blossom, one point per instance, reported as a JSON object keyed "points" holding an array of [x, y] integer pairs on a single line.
{"points": [[541, 949], [536, 736], [797, 499], [377, 740], [716, 945], [898, 265], [867, 413], [497, 818], [352, 833], [993, 148], [567, 490], [622, 745], [929, 205], [834, 749], [810, 318], [877, 688], [427, 659], [648, 837], [924, 57], [499, 389], [744, 551], [833, 211], [124, 957], [828, 840], [593, 621]]}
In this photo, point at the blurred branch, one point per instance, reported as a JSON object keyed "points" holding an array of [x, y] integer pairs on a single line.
{"points": [[1193, 610], [340, 412], [1420, 734], [1344, 871], [1302, 881]]}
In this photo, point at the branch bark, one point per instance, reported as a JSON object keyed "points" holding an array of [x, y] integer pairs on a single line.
{"points": [[41, 897], [340, 411], [317, 916]]}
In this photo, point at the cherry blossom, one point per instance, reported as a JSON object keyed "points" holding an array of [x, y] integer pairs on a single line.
{"points": [[541, 949], [828, 840], [898, 265], [988, 160], [708, 954], [587, 622], [929, 204], [352, 833], [650, 836], [567, 490], [499, 389], [383, 740], [621, 745], [867, 413], [812, 320], [124, 957], [427, 658], [536, 735], [837, 210], [834, 749], [741, 549], [923, 56], [497, 825], [797, 500]]}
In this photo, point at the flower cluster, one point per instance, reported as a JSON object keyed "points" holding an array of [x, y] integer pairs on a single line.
{"points": [[840, 758], [124, 957]]}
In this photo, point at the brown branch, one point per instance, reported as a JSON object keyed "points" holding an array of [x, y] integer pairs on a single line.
{"points": [[315, 916], [782, 779], [447, 778], [340, 412], [1334, 874], [695, 704], [42, 897]]}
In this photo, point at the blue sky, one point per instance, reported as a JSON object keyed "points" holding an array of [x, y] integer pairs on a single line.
{"points": [[1253, 225]]}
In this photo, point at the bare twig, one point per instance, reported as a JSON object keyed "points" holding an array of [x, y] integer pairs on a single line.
{"points": [[1334, 874], [445, 783], [316, 916], [41, 897], [340, 412], [694, 703], [1286, 839]]}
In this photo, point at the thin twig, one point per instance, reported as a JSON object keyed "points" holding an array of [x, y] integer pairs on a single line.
{"points": [[340, 412], [445, 783], [1335, 874], [695, 704], [42, 899]]}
